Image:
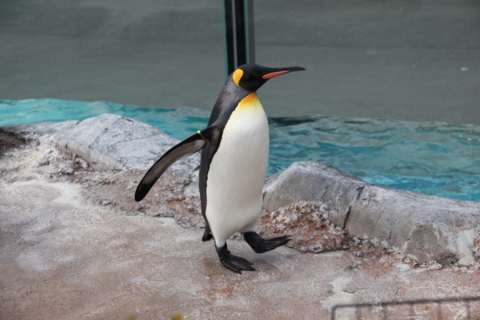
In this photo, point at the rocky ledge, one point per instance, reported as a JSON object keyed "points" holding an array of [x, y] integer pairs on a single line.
{"points": [[321, 207]]}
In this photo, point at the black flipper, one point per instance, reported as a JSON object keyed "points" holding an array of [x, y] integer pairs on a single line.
{"points": [[183, 149], [232, 262], [260, 245]]}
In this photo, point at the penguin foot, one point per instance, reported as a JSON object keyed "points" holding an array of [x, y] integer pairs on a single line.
{"points": [[260, 245], [234, 263]]}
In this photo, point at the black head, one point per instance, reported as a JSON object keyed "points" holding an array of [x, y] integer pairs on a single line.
{"points": [[252, 76]]}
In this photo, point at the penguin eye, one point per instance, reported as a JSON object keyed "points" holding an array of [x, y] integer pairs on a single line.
{"points": [[256, 74]]}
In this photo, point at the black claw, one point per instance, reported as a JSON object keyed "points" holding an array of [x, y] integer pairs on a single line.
{"points": [[260, 245], [234, 263]]}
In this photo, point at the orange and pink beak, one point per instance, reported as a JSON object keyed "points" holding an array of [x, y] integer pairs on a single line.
{"points": [[281, 71]]}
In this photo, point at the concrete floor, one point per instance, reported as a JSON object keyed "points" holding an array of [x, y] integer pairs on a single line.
{"points": [[410, 60], [64, 258]]}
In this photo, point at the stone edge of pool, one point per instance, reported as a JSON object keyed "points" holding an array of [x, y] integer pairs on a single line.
{"points": [[322, 207]]}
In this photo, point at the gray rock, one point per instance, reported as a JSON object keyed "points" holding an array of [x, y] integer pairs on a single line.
{"points": [[333, 189], [420, 226], [109, 142]]}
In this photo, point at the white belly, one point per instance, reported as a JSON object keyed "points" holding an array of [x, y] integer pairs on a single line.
{"points": [[237, 173]]}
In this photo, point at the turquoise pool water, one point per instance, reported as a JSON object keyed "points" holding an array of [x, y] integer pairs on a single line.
{"points": [[428, 157]]}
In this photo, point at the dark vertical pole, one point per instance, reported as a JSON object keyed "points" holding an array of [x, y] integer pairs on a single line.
{"points": [[239, 34], [249, 31], [228, 36]]}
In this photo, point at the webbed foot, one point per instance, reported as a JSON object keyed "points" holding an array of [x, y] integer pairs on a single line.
{"points": [[261, 245], [234, 263]]}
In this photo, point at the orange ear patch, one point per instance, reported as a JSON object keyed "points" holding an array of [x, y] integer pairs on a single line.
{"points": [[237, 75]]}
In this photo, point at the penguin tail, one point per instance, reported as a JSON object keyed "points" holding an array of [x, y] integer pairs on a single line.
{"points": [[207, 235]]}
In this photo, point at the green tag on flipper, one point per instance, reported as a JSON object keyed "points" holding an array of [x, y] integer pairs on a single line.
{"points": [[201, 135]]}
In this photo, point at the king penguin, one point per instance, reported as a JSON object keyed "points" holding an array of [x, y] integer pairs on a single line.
{"points": [[233, 164]]}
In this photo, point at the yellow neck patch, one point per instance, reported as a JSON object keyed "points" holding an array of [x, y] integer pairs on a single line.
{"points": [[237, 75], [249, 101]]}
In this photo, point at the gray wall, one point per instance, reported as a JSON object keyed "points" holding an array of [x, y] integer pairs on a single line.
{"points": [[412, 60]]}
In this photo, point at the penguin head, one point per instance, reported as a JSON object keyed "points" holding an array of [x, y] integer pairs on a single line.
{"points": [[252, 76]]}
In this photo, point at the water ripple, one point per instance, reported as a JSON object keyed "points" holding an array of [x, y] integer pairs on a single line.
{"points": [[429, 157]]}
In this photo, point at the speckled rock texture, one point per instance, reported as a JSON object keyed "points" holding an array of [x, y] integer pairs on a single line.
{"points": [[321, 207], [310, 230]]}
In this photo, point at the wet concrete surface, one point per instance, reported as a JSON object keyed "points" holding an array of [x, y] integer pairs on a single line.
{"points": [[64, 257]]}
